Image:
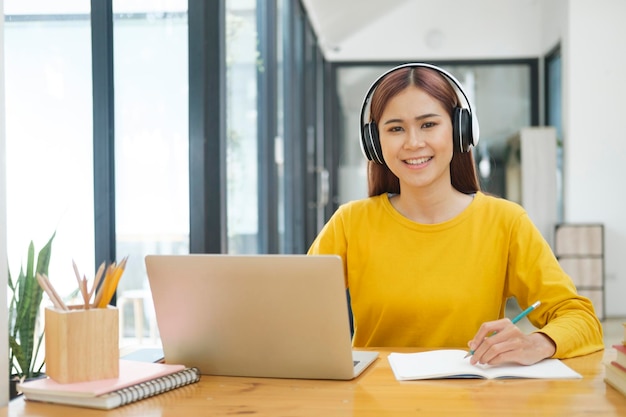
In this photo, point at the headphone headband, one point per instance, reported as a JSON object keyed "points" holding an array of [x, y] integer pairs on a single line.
{"points": [[467, 138]]}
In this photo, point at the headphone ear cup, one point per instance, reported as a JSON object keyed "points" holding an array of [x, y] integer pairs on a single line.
{"points": [[462, 130], [366, 141], [371, 143]]}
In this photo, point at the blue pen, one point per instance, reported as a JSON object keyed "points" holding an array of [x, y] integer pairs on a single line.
{"points": [[515, 320]]}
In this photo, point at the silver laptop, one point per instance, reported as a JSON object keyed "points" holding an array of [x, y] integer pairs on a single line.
{"points": [[280, 316]]}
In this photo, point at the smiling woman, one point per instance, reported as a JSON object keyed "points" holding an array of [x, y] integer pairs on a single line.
{"points": [[457, 253], [435, 93]]}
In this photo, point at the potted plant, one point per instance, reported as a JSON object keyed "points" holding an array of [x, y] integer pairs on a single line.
{"points": [[24, 312]]}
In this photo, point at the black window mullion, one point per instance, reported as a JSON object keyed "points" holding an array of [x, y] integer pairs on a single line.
{"points": [[312, 164], [207, 152], [295, 131], [289, 121], [266, 127], [332, 118], [103, 130]]}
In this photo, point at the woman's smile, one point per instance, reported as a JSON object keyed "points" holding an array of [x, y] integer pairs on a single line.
{"points": [[418, 161]]}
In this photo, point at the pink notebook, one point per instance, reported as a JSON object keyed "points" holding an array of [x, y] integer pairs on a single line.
{"points": [[131, 373]]}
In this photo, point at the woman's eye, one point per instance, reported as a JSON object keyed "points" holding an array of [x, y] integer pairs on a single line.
{"points": [[395, 129], [428, 124]]}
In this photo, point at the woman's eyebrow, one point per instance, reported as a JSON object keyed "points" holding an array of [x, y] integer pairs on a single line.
{"points": [[423, 116]]}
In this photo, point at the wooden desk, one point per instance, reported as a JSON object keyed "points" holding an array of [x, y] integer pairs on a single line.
{"points": [[376, 393]]}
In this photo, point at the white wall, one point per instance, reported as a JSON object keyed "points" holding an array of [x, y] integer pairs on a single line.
{"points": [[554, 18], [4, 329], [595, 141]]}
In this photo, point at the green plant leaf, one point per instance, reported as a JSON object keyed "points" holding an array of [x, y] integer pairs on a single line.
{"points": [[24, 310]]}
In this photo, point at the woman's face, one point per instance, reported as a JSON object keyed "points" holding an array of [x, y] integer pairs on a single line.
{"points": [[416, 139]]}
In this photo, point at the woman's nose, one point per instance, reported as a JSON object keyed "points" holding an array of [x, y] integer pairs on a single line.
{"points": [[413, 139]]}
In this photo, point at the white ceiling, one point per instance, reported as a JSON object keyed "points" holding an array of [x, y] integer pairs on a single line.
{"points": [[404, 30], [336, 21]]}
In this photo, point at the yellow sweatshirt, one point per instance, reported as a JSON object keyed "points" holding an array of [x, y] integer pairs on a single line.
{"points": [[433, 285]]}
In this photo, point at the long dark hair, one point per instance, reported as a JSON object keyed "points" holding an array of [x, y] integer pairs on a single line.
{"points": [[462, 167]]}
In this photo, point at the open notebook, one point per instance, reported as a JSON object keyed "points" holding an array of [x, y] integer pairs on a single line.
{"points": [[452, 363], [282, 316]]}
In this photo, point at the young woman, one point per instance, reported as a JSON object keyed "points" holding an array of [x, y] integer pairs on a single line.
{"points": [[429, 259]]}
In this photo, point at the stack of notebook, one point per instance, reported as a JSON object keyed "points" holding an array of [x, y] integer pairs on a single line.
{"points": [[137, 380], [615, 374]]}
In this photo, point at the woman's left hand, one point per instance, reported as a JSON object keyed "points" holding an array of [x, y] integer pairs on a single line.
{"points": [[501, 341]]}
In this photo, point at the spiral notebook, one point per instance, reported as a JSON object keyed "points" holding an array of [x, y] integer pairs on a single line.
{"points": [[136, 381]]}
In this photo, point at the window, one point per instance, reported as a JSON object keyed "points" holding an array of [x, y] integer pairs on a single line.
{"points": [[151, 146], [71, 125], [553, 118], [241, 126], [49, 135]]}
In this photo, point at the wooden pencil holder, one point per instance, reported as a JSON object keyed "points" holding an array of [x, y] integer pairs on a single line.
{"points": [[82, 345]]}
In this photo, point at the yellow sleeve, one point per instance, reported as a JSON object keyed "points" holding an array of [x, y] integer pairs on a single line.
{"points": [[534, 274], [332, 240]]}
